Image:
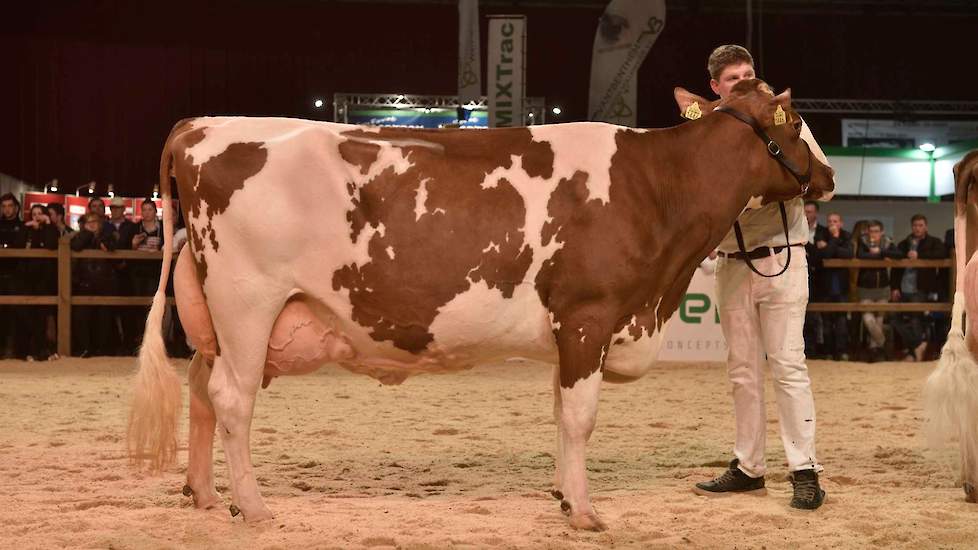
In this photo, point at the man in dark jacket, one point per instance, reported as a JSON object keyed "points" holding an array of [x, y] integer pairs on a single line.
{"points": [[814, 330], [832, 285], [874, 283], [11, 236], [916, 285]]}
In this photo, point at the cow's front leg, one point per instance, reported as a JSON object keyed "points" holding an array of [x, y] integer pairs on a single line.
{"points": [[200, 467], [582, 347], [557, 490]]}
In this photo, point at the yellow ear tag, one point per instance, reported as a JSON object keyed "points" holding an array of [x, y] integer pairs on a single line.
{"points": [[779, 116], [693, 111]]}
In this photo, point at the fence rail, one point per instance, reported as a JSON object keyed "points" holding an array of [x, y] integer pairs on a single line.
{"points": [[64, 299], [891, 307]]}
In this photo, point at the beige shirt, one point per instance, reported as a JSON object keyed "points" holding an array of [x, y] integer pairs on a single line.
{"points": [[762, 227]]}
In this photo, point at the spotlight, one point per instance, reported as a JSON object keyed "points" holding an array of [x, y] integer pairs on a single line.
{"points": [[556, 110], [156, 191], [53, 186], [91, 188], [319, 103], [927, 147], [111, 191]]}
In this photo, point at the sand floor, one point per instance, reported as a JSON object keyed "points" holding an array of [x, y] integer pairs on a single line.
{"points": [[465, 460]]}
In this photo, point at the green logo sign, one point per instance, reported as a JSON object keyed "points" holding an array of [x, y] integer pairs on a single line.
{"points": [[693, 306]]}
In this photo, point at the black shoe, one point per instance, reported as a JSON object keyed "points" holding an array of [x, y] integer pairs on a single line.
{"points": [[732, 481], [808, 495]]}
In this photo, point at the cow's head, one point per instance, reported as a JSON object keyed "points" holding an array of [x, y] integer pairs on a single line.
{"points": [[776, 127]]}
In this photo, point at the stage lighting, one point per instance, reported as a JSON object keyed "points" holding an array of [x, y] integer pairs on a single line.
{"points": [[556, 111], [319, 103], [927, 147]]}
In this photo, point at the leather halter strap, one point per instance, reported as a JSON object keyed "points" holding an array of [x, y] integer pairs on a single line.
{"points": [[804, 180], [774, 149]]}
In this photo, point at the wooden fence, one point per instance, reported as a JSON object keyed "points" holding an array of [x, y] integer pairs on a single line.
{"points": [[64, 299], [888, 307]]}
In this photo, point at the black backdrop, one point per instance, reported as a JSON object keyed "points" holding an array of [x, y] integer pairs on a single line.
{"points": [[90, 89]]}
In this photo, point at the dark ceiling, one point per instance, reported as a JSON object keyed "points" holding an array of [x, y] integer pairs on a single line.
{"points": [[92, 87]]}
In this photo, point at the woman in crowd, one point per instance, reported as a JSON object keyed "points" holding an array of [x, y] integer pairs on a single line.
{"points": [[93, 277], [38, 277]]}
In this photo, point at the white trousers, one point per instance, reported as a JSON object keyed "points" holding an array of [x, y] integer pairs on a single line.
{"points": [[762, 320]]}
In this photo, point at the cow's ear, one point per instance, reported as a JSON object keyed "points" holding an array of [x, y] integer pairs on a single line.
{"points": [[776, 111], [691, 105]]}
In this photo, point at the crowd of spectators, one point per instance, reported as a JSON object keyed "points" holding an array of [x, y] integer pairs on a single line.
{"points": [[30, 331], [874, 335]]}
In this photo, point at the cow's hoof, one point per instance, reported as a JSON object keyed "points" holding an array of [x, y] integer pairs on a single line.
{"points": [[557, 494], [970, 493], [234, 511], [187, 491], [565, 507], [587, 522]]}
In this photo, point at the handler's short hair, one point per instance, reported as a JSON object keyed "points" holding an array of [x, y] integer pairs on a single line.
{"points": [[918, 217], [723, 56]]}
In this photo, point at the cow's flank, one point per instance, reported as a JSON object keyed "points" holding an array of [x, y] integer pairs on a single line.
{"points": [[208, 187], [473, 225]]}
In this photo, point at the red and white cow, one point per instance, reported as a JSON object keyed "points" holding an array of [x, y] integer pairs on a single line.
{"points": [[435, 250], [951, 393]]}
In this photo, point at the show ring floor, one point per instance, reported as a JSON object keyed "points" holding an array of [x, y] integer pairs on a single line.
{"points": [[465, 460]]}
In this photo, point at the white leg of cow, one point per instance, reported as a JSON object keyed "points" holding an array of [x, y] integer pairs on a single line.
{"points": [[557, 490], [200, 467], [582, 349], [233, 386]]}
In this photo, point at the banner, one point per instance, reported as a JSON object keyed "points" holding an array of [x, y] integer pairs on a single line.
{"points": [[505, 70], [469, 63], [693, 332], [626, 32]]}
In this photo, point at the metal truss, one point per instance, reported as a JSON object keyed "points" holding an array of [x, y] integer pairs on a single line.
{"points": [[535, 106], [885, 106]]}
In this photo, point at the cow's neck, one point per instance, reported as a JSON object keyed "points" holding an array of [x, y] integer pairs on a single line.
{"points": [[717, 168]]}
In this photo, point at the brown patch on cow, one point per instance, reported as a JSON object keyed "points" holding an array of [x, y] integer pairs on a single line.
{"points": [[471, 233], [211, 185], [619, 263], [359, 153]]}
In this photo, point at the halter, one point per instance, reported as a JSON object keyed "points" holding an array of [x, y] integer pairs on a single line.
{"points": [[804, 181]]}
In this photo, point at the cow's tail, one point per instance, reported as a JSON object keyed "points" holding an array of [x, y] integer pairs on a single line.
{"points": [[157, 401], [951, 391]]}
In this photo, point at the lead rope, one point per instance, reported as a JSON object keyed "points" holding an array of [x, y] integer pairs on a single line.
{"points": [[740, 244]]}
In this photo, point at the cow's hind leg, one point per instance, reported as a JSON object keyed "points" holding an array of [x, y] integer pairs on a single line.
{"points": [[233, 387], [200, 469], [582, 348]]}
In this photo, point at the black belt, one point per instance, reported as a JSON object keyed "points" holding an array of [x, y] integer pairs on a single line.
{"points": [[755, 254]]}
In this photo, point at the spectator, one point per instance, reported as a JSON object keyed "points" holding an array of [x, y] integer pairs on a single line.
{"points": [[122, 333], [92, 277], [916, 285], [38, 277], [123, 227], [874, 283], [813, 331], [11, 236], [56, 212], [832, 285], [97, 206], [145, 273]]}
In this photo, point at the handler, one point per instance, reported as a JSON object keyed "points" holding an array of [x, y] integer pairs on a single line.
{"points": [[764, 316]]}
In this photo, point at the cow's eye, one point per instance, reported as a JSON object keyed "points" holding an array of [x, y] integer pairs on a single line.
{"points": [[797, 125]]}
